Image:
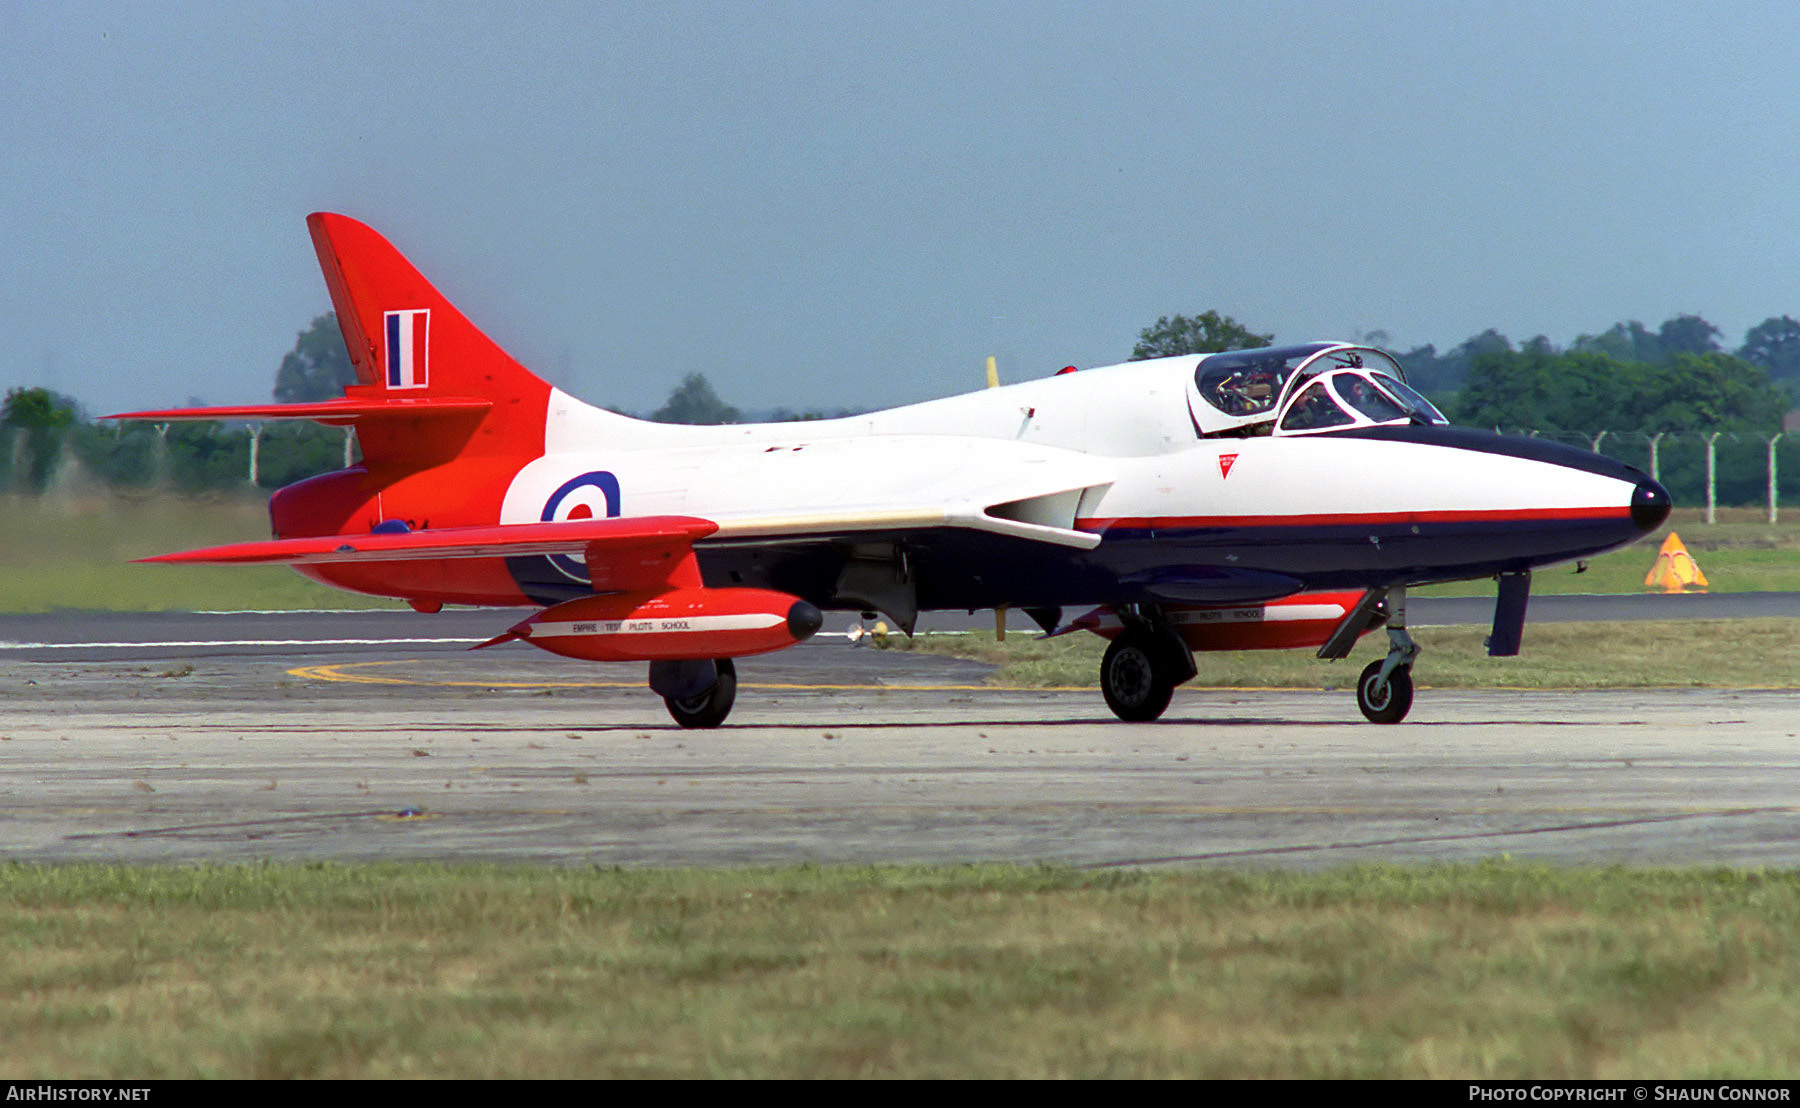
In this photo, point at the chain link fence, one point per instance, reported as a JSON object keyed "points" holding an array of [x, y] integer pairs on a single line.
{"points": [[1701, 469], [1704, 469]]}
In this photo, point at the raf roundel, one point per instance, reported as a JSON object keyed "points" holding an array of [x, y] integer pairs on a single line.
{"points": [[589, 496]]}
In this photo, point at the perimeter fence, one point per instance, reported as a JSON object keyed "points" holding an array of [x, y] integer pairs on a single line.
{"points": [[1701, 469], [1704, 469]]}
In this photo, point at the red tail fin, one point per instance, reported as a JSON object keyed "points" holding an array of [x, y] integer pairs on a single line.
{"points": [[409, 343]]}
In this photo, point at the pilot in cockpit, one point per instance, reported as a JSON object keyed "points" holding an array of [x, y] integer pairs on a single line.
{"points": [[1314, 410], [1362, 395]]}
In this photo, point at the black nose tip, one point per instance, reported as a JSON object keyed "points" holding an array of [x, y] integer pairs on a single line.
{"points": [[803, 620], [1649, 505]]}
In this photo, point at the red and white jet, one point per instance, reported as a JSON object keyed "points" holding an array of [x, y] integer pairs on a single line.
{"points": [[1285, 497]]}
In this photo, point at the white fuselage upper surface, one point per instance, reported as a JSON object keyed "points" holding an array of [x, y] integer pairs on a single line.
{"points": [[1117, 411], [1105, 444], [1067, 434]]}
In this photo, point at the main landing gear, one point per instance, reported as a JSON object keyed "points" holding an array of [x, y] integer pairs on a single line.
{"points": [[1143, 665], [698, 694], [1148, 659]]}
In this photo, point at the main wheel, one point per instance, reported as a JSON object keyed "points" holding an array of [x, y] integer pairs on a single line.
{"points": [[1137, 688], [1384, 705], [708, 709]]}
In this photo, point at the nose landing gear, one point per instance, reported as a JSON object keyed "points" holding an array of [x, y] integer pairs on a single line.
{"points": [[1384, 699], [1384, 692]]}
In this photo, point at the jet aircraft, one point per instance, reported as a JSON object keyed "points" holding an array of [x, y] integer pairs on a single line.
{"points": [[1283, 497]]}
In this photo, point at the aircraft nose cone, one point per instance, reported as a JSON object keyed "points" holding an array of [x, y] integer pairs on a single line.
{"points": [[1649, 505], [804, 619]]}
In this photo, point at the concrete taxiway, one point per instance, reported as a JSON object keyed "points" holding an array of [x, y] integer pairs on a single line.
{"points": [[293, 747], [394, 633]]}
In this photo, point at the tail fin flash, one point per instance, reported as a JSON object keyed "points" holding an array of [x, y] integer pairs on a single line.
{"points": [[409, 344]]}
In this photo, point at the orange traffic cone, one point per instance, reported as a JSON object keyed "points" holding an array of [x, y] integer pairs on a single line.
{"points": [[1675, 569]]}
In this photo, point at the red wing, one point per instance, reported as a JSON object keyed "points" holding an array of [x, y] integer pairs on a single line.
{"points": [[640, 552]]}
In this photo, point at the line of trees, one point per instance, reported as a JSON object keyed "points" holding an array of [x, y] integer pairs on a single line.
{"points": [[1629, 392], [47, 442], [1634, 383], [1628, 378], [1772, 345]]}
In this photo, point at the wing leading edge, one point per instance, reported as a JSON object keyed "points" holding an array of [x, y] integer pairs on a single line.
{"points": [[621, 553]]}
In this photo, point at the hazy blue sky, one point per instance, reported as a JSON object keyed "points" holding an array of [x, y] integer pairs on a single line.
{"points": [[846, 203]]}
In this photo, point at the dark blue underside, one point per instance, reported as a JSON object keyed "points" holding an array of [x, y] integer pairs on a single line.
{"points": [[954, 569]]}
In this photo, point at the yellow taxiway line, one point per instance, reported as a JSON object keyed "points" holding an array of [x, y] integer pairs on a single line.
{"points": [[340, 672]]}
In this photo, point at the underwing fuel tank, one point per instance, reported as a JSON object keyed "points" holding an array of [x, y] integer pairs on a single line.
{"points": [[678, 624], [1302, 620]]}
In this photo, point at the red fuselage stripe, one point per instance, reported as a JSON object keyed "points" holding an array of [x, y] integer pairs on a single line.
{"points": [[1498, 515]]}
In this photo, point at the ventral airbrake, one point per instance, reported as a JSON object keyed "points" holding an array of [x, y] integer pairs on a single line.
{"points": [[1285, 497]]}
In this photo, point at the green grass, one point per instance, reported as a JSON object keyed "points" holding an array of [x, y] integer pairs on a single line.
{"points": [[1497, 970], [1754, 653], [77, 554], [1740, 552]]}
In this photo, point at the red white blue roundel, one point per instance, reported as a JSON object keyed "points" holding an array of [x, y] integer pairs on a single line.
{"points": [[591, 496]]}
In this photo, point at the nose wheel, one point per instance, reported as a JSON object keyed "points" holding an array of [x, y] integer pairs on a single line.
{"points": [[1384, 692], [1384, 699]]}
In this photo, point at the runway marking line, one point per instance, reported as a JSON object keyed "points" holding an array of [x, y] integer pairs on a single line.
{"points": [[192, 643], [336, 671]]}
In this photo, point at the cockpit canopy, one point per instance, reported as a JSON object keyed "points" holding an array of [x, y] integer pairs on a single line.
{"points": [[1292, 390]]}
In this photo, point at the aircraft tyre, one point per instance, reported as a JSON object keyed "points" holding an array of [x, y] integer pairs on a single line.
{"points": [[707, 709], [1388, 705], [1134, 679]]}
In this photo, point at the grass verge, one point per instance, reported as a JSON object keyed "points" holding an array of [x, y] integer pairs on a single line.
{"points": [[77, 554], [1739, 552], [1496, 970], [1740, 653]]}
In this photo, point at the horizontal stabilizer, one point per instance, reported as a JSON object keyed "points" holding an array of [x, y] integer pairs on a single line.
{"points": [[346, 410]]}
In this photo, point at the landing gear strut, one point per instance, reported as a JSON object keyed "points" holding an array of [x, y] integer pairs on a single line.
{"points": [[1143, 665]]}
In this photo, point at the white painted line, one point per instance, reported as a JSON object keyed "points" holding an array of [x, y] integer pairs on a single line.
{"points": [[226, 642]]}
